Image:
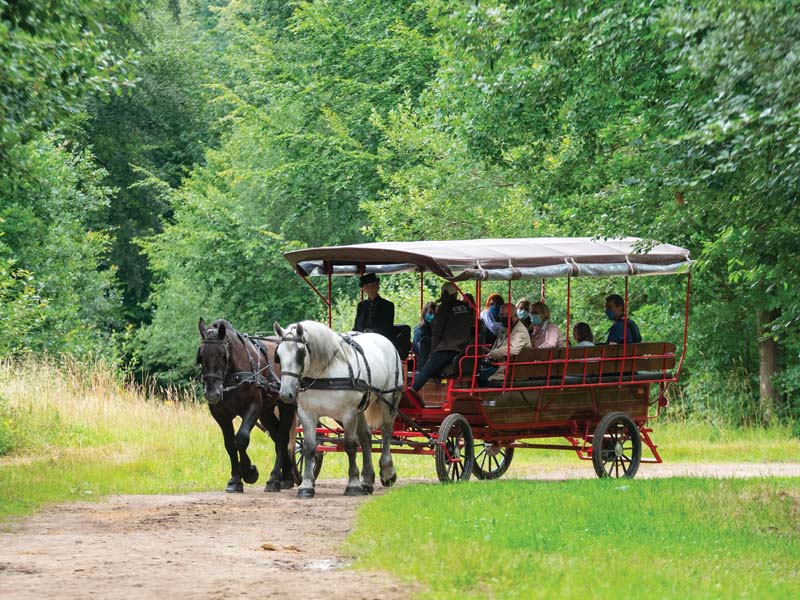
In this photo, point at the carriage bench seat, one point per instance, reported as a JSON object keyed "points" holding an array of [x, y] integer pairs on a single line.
{"points": [[593, 364]]}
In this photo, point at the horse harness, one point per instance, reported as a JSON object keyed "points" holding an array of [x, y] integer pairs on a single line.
{"points": [[255, 376], [354, 382]]}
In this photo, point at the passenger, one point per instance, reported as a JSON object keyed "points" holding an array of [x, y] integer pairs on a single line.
{"points": [[374, 314], [451, 334], [423, 333], [545, 334], [524, 313], [513, 344], [490, 315], [582, 334], [615, 311]]}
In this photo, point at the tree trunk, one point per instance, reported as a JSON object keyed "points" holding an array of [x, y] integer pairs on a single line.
{"points": [[768, 354]]}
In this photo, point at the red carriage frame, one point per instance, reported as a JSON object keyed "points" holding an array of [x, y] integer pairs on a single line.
{"points": [[597, 399]]}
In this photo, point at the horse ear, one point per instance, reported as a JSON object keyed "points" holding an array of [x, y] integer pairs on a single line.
{"points": [[299, 329], [221, 331], [202, 327], [278, 329]]}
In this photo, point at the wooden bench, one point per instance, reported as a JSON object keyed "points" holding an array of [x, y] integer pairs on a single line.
{"points": [[593, 364]]}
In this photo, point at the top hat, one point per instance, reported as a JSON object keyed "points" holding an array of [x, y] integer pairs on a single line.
{"points": [[367, 279]]}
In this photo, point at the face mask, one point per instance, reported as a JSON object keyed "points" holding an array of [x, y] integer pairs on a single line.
{"points": [[429, 317], [536, 319], [612, 316], [494, 310], [522, 313]]}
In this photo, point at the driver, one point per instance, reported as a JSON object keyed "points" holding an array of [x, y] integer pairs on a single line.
{"points": [[374, 313]]}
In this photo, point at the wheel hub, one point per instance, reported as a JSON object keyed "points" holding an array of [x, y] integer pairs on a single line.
{"points": [[491, 449], [618, 449]]}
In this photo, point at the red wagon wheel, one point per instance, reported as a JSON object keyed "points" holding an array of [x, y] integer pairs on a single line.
{"points": [[617, 446], [491, 459], [455, 456]]}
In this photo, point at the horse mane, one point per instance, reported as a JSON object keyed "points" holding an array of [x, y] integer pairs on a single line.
{"points": [[323, 343]]}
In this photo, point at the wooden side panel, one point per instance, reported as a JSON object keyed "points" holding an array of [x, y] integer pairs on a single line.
{"points": [[543, 408]]}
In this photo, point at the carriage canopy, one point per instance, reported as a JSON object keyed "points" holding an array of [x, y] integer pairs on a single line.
{"points": [[497, 259]]}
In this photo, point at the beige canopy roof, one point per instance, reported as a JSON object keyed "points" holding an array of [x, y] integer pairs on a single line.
{"points": [[504, 259]]}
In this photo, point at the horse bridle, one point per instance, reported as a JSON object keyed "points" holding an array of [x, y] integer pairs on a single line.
{"points": [[303, 346], [227, 359]]}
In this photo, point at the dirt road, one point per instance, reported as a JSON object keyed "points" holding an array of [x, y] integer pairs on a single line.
{"points": [[215, 545]]}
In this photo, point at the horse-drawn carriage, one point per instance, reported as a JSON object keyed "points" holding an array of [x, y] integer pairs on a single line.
{"points": [[597, 398]]}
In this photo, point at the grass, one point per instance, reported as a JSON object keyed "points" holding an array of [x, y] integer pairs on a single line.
{"points": [[77, 432], [669, 538]]}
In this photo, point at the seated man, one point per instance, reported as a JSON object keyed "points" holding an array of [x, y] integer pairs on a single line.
{"points": [[374, 313], [451, 334], [519, 340], [615, 311]]}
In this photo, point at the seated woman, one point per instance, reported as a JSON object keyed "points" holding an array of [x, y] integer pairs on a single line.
{"points": [[545, 334], [490, 317], [582, 334], [423, 332], [524, 313], [505, 346]]}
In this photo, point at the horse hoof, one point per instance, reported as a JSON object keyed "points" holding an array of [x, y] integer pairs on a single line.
{"points": [[355, 491], [273, 486], [305, 493], [252, 476], [287, 484], [235, 488], [389, 482], [368, 489]]}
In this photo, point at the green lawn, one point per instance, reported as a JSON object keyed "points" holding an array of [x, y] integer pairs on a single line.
{"points": [[669, 538]]}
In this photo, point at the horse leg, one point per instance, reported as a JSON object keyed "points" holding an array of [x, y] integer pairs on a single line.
{"points": [[249, 470], [367, 470], [309, 423], [388, 472], [350, 426], [269, 421], [226, 425], [286, 425]]}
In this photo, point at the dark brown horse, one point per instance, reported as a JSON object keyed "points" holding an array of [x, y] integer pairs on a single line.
{"points": [[240, 378]]}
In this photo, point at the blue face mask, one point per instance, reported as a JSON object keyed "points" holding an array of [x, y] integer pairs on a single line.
{"points": [[522, 313], [612, 316], [429, 317], [536, 319], [494, 310]]}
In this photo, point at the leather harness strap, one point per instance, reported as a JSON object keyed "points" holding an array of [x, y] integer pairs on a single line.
{"points": [[352, 383]]}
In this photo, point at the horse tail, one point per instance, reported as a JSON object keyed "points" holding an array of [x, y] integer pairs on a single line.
{"points": [[374, 413]]}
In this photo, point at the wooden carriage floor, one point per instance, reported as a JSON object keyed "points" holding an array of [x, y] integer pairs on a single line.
{"points": [[216, 545]]}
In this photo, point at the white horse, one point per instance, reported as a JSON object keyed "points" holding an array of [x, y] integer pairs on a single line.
{"points": [[354, 378]]}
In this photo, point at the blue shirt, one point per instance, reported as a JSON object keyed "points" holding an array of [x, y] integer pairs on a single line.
{"points": [[615, 332]]}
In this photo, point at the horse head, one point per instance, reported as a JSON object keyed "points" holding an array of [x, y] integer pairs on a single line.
{"points": [[213, 356], [291, 354]]}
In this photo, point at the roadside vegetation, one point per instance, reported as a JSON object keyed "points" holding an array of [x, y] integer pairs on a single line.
{"points": [[666, 538], [73, 431]]}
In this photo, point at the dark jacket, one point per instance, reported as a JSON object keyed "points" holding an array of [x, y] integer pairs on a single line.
{"points": [[452, 327], [615, 333], [379, 319]]}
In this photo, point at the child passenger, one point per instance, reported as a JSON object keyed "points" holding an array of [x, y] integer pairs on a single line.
{"points": [[582, 334]]}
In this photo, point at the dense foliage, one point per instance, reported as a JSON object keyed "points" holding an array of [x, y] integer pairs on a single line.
{"points": [[157, 158]]}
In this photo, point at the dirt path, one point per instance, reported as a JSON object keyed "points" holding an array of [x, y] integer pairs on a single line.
{"points": [[216, 545]]}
